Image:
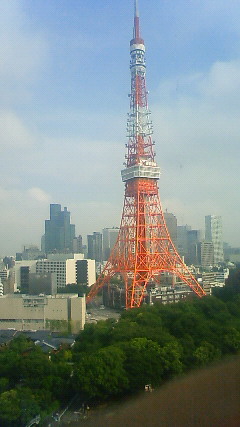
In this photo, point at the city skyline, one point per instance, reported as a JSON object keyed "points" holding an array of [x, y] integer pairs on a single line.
{"points": [[64, 85]]}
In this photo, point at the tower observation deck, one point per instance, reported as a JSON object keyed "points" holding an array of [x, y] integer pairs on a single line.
{"points": [[143, 249]]}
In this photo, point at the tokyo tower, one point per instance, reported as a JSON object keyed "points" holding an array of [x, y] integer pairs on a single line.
{"points": [[144, 249]]}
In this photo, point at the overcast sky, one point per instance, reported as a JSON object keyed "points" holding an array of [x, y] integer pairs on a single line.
{"points": [[64, 81]]}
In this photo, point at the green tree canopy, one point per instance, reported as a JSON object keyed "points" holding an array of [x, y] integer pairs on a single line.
{"points": [[101, 374]]}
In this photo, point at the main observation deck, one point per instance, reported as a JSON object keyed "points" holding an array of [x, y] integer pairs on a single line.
{"points": [[141, 170]]}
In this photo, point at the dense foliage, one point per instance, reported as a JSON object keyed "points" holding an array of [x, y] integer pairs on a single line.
{"points": [[148, 345], [30, 383]]}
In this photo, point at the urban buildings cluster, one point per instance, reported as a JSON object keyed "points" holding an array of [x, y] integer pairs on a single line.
{"points": [[31, 282], [198, 248]]}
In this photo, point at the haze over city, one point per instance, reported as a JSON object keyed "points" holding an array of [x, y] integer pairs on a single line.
{"points": [[64, 80]]}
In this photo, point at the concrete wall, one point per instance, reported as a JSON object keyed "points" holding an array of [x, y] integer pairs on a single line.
{"points": [[78, 314], [91, 272]]}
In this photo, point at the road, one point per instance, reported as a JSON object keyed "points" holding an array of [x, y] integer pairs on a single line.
{"points": [[75, 411], [96, 313]]}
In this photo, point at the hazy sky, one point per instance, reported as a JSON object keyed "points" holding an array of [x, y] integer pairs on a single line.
{"points": [[64, 81]]}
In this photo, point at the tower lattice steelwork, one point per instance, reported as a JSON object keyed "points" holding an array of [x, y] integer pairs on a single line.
{"points": [[144, 248]]}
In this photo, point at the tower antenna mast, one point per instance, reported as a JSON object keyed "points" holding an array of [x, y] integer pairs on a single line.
{"points": [[144, 250], [136, 31]]}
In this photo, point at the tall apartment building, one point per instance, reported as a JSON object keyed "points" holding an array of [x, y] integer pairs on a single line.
{"points": [[59, 233], [213, 233], [109, 239], [206, 254], [171, 222], [77, 245], [95, 247]]}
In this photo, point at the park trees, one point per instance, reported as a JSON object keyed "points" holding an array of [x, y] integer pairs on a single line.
{"points": [[101, 374], [147, 345]]}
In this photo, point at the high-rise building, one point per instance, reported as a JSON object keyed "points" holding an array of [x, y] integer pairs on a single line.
{"points": [[171, 223], [182, 239], [193, 239], [77, 245], [59, 233], [213, 233], [95, 246], [109, 239], [188, 243], [206, 254]]}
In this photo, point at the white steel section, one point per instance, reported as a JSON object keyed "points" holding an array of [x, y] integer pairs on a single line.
{"points": [[138, 59], [141, 171], [141, 125], [138, 46]]}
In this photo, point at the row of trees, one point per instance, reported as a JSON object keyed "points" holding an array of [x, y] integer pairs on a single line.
{"points": [[149, 345]]}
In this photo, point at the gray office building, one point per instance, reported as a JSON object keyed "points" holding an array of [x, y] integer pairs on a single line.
{"points": [[171, 223], [182, 239], [110, 236], [188, 244], [59, 233], [95, 246]]}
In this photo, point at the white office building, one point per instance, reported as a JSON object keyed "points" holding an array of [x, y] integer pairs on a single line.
{"points": [[65, 266], [62, 265], [213, 233]]}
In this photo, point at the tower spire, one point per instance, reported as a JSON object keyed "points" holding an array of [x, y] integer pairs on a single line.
{"points": [[136, 28], [136, 31], [136, 9]]}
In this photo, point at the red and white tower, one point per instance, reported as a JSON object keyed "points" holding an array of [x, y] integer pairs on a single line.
{"points": [[144, 248]]}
